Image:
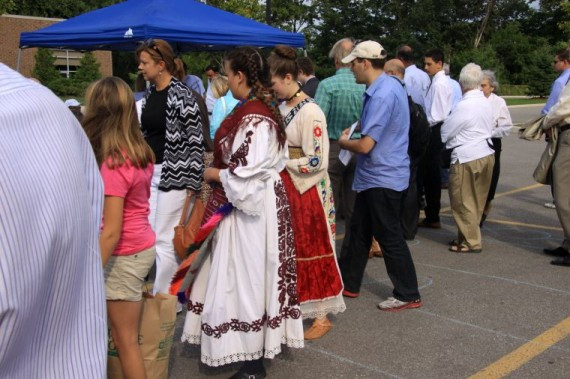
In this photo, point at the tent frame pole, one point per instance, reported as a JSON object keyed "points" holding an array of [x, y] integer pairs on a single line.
{"points": [[19, 61]]}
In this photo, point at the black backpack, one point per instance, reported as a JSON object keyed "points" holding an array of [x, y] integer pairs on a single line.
{"points": [[419, 129]]}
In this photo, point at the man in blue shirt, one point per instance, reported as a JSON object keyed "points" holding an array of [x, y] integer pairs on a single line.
{"points": [[381, 177], [562, 65]]}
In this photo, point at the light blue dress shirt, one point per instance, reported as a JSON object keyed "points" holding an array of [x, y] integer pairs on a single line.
{"points": [[386, 119]]}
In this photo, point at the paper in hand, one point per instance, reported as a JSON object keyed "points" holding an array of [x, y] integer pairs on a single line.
{"points": [[346, 155]]}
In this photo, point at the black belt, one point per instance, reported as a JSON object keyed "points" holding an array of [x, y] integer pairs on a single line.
{"points": [[564, 128]]}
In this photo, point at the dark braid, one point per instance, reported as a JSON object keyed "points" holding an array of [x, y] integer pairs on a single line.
{"points": [[254, 66]]}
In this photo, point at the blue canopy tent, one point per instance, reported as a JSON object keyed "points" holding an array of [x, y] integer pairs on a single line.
{"points": [[187, 24]]}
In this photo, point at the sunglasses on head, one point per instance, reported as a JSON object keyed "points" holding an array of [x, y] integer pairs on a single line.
{"points": [[151, 44]]}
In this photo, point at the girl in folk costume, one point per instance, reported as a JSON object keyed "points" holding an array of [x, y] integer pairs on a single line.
{"points": [[310, 195], [243, 304], [127, 240]]}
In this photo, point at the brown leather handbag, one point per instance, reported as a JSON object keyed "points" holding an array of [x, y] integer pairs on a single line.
{"points": [[186, 230]]}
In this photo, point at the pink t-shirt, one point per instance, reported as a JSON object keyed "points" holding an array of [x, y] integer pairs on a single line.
{"points": [[133, 185]]}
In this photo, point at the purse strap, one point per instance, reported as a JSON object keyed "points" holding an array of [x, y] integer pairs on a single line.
{"points": [[184, 216]]}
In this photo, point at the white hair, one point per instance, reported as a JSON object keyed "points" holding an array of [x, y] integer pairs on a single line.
{"points": [[470, 77], [339, 51]]}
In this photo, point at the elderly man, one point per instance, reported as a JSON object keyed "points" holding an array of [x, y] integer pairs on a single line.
{"points": [[340, 98], [558, 117], [381, 179], [467, 131]]}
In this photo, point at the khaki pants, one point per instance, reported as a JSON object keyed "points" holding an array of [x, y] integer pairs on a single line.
{"points": [[468, 188], [561, 184]]}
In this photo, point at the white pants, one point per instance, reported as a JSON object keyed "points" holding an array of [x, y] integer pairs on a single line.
{"points": [[165, 211]]}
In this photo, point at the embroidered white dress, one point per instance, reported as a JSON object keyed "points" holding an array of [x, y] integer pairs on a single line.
{"points": [[243, 304], [311, 200]]}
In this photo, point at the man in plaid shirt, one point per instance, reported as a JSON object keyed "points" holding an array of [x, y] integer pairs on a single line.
{"points": [[341, 98]]}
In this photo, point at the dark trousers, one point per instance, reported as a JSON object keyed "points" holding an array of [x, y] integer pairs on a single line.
{"points": [[410, 205], [497, 145], [341, 182], [429, 179], [377, 213]]}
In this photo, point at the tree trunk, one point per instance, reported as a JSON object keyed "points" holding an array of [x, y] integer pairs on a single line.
{"points": [[481, 31]]}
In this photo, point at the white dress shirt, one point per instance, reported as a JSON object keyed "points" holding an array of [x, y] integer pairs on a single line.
{"points": [[468, 128], [457, 93], [439, 99], [502, 122], [417, 83], [53, 322]]}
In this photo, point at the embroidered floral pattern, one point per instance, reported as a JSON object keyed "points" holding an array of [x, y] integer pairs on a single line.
{"points": [[287, 270], [239, 157], [315, 160], [328, 204], [195, 307]]}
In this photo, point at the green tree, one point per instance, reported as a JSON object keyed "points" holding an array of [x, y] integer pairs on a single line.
{"points": [[247, 8], [7, 6], [44, 69], [88, 70]]}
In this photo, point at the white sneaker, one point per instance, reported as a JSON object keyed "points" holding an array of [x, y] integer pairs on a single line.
{"points": [[393, 305], [179, 307], [550, 205]]}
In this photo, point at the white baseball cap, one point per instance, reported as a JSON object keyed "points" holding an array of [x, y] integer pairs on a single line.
{"points": [[72, 103], [366, 49]]}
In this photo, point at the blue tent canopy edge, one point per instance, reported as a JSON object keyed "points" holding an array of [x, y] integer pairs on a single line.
{"points": [[187, 24]]}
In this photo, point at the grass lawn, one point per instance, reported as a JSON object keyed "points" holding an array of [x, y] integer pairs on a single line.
{"points": [[525, 101]]}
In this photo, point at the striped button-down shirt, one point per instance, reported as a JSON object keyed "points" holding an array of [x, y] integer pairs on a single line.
{"points": [[52, 298], [340, 98]]}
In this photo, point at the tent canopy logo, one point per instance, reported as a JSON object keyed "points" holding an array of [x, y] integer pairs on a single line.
{"points": [[129, 33]]}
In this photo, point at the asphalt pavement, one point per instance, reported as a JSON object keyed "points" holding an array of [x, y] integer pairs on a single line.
{"points": [[505, 311]]}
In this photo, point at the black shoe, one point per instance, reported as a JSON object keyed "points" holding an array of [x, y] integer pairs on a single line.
{"points": [[558, 252], [245, 375], [562, 261]]}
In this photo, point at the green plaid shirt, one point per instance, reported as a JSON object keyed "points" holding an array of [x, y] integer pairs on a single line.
{"points": [[340, 98]]}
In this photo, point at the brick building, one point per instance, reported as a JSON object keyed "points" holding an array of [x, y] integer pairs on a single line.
{"points": [[10, 28]]}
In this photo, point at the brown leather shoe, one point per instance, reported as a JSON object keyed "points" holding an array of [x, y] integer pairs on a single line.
{"points": [[319, 328], [426, 224]]}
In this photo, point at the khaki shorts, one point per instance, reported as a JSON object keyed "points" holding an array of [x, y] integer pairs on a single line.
{"points": [[124, 275]]}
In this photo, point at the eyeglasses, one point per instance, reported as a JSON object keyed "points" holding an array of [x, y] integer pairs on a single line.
{"points": [[151, 44]]}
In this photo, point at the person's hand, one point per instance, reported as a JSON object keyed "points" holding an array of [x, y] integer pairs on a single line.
{"points": [[345, 134], [212, 175]]}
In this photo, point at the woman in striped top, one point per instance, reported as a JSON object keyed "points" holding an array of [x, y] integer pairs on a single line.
{"points": [[172, 126]]}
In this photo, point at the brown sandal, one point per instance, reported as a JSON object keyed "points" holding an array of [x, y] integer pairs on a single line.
{"points": [[319, 328], [463, 249]]}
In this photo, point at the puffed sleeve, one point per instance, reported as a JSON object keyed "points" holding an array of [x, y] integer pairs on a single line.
{"points": [[253, 161]]}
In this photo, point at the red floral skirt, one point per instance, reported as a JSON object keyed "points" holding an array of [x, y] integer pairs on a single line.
{"points": [[317, 272]]}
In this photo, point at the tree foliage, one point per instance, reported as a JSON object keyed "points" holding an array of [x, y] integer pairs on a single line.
{"points": [[516, 38], [44, 70]]}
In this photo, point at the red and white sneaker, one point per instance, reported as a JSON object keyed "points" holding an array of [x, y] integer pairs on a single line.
{"points": [[395, 305]]}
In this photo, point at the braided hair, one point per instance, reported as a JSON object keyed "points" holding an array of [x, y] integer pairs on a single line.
{"points": [[253, 65]]}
